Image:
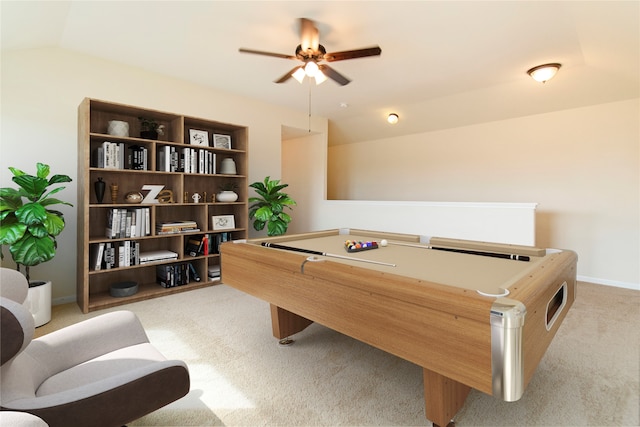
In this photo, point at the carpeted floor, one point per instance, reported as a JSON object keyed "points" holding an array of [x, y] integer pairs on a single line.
{"points": [[240, 376]]}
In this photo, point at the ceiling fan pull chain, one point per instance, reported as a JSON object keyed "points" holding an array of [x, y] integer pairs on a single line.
{"points": [[309, 105]]}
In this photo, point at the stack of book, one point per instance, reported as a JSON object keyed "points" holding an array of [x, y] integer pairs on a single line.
{"points": [[214, 273], [156, 256], [176, 227]]}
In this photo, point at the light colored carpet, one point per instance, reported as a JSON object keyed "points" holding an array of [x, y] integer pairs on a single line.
{"points": [[240, 376]]}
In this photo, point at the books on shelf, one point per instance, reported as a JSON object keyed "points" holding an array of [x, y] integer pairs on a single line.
{"points": [[186, 159], [132, 222], [169, 276], [176, 227], [117, 155], [105, 256], [214, 240], [194, 246]]}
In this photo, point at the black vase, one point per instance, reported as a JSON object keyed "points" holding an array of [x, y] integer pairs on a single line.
{"points": [[99, 186], [149, 134]]}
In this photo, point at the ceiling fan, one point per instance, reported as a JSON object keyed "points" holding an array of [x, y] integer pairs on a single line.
{"points": [[312, 54]]}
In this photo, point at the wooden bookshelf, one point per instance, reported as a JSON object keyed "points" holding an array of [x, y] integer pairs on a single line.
{"points": [[93, 117]]}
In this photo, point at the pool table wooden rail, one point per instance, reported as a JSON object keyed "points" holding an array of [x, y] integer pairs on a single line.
{"points": [[444, 329]]}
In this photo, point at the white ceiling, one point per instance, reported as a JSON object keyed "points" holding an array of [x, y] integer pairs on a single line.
{"points": [[444, 63]]}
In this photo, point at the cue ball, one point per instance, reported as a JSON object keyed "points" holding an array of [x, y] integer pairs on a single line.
{"points": [[383, 242]]}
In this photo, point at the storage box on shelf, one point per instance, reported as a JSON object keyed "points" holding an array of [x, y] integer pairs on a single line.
{"points": [[123, 240]]}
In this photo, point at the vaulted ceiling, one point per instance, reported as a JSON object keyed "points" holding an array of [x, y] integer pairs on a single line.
{"points": [[443, 64]]}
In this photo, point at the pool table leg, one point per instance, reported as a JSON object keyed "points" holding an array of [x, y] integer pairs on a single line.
{"points": [[443, 397], [285, 323]]}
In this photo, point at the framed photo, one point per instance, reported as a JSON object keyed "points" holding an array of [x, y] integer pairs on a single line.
{"points": [[199, 137], [222, 141], [223, 222]]}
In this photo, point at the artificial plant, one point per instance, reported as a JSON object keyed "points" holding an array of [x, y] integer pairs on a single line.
{"points": [[268, 209], [29, 227]]}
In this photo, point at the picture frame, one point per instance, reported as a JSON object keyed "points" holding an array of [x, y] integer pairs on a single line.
{"points": [[222, 141], [199, 137], [223, 222]]}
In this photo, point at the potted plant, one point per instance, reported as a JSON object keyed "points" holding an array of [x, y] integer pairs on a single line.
{"points": [[227, 193], [268, 209], [29, 227], [149, 128]]}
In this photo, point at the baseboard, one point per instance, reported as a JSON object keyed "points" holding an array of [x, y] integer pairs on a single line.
{"points": [[63, 300], [614, 283]]}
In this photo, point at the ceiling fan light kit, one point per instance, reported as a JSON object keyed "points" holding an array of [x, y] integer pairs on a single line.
{"points": [[545, 72], [312, 54]]}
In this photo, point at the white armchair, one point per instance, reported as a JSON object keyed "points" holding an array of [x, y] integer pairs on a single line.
{"points": [[99, 372]]}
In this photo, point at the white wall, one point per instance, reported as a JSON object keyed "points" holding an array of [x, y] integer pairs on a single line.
{"points": [[581, 166], [304, 165], [41, 91]]}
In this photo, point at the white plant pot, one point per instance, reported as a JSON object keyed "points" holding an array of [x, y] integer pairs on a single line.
{"points": [[39, 301]]}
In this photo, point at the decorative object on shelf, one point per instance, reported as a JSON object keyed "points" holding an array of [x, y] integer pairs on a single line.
{"points": [[196, 197], [114, 193], [118, 128], [123, 289], [227, 193], [133, 197], [30, 229], [222, 141], [199, 137], [227, 196], [154, 190], [150, 129], [228, 166], [165, 196], [268, 209], [223, 222], [99, 186]]}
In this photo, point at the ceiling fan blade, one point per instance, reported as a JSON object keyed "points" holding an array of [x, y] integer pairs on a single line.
{"points": [[351, 54], [309, 35], [288, 75], [260, 52], [333, 74]]}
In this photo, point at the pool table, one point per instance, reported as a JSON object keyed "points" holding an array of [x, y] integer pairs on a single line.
{"points": [[472, 314]]}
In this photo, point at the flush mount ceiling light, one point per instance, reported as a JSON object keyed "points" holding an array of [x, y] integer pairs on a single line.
{"points": [[544, 72], [393, 118]]}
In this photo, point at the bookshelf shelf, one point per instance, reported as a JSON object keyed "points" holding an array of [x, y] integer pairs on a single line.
{"points": [[131, 162]]}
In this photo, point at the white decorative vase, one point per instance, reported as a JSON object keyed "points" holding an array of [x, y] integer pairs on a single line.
{"points": [[118, 128], [228, 166], [39, 301], [226, 196]]}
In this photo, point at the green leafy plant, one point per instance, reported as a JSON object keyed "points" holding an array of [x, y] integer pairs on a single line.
{"points": [[150, 125], [268, 209], [29, 228], [228, 186]]}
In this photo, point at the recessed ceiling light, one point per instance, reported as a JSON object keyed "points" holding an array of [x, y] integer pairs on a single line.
{"points": [[393, 118]]}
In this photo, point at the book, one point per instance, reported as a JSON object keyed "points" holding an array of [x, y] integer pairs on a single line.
{"points": [[194, 273], [194, 246], [97, 256]]}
